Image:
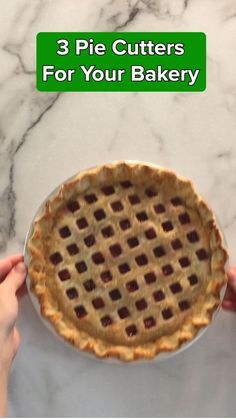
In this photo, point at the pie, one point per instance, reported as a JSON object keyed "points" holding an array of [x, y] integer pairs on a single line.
{"points": [[127, 261]]}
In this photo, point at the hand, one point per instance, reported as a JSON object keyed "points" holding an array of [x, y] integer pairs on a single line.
{"points": [[229, 302], [12, 276]]}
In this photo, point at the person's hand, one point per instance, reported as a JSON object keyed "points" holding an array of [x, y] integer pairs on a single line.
{"points": [[229, 302], [12, 276]]}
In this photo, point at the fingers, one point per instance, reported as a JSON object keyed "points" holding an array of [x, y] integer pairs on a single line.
{"points": [[229, 305], [22, 291], [8, 263], [229, 302], [232, 278], [16, 277], [230, 294]]}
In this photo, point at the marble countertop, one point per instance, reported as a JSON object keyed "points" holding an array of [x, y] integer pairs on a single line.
{"points": [[46, 137]]}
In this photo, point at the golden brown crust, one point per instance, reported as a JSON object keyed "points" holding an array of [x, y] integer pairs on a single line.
{"points": [[89, 335]]}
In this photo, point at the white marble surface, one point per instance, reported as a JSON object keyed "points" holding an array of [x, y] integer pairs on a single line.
{"points": [[44, 138]]}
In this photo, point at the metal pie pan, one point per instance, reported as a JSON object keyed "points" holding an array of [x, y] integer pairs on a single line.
{"points": [[161, 356]]}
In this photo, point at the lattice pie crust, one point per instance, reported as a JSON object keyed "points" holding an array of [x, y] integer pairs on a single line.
{"points": [[127, 261]]}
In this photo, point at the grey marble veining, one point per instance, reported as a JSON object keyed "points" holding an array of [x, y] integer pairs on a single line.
{"points": [[47, 137]]}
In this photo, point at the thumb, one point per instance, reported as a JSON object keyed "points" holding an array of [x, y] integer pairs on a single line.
{"points": [[16, 277]]}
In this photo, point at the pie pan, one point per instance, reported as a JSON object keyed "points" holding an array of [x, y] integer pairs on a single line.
{"points": [[161, 355]]}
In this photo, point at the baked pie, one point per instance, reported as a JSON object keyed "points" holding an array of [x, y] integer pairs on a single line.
{"points": [[127, 261]]}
